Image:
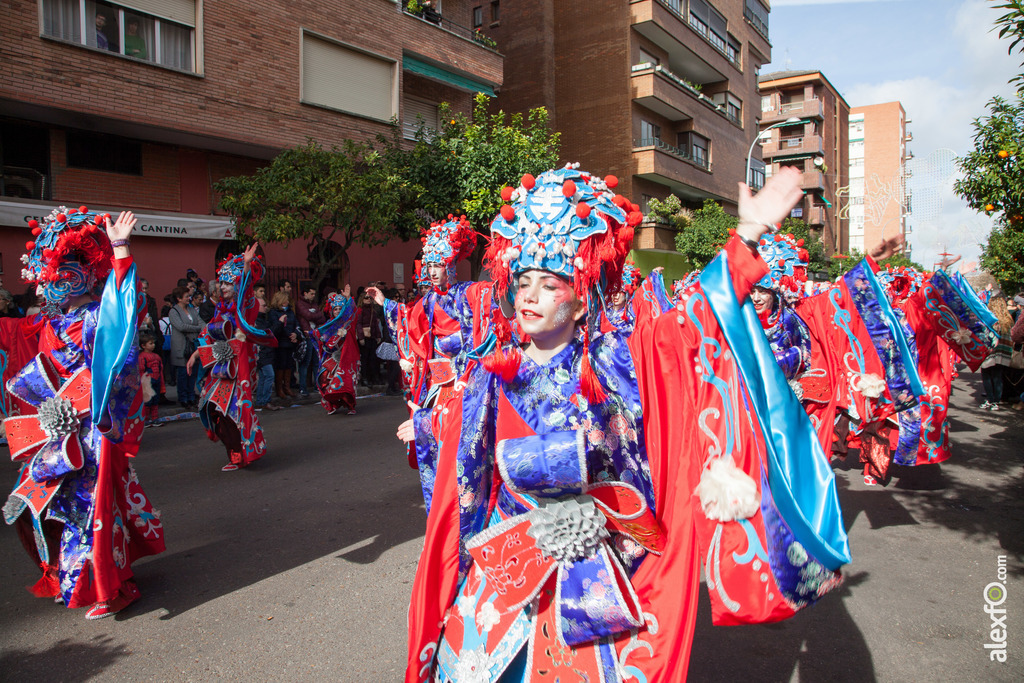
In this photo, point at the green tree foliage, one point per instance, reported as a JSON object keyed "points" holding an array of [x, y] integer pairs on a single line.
{"points": [[462, 167], [348, 195], [842, 263], [669, 211], [993, 181], [1011, 26], [708, 231]]}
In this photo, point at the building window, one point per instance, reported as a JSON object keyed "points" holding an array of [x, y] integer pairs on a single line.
{"points": [[647, 58], [650, 133], [757, 15], [164, 35], [731, 105], [756, 179], [766, 103], [97, 152], [495, 12], [348, 80], [419, 113], [24, 160], [709, 22], [478, 16], [696, 147]]}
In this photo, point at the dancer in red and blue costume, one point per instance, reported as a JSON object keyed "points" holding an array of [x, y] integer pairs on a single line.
{"points": [[637, 297], [339, 356], [564, 535], [441, 335], [78, 506], [228, 354], [773, 296]]}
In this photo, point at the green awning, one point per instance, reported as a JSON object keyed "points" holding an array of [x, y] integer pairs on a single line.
{"points": [[675, 264], [437, 73]]}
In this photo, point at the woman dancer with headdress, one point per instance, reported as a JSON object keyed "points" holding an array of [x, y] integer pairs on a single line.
{"points": [[78, 506], [228, 353], [339, 356], [563, 537]]}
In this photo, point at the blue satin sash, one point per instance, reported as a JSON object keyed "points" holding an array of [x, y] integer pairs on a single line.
{"points": [[970, 297], [115, 338], [802, 484]]}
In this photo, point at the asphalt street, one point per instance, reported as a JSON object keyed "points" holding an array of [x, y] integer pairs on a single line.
{"points": [[299, 567]]}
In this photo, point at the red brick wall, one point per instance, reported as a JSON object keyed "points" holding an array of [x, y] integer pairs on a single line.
{"points": [[249, 91]]}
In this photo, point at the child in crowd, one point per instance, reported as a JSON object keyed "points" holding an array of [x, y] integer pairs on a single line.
{"points": [[151, 368]]}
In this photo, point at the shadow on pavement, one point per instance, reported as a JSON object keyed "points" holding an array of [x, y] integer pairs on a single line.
{"points": [[326, 484], [821, 643], [65, 660]]}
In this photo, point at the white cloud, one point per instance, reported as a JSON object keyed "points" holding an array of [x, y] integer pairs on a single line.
{"points": [[941, 108]]}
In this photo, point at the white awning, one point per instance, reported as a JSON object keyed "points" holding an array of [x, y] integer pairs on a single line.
{"points": [[177, 225]]}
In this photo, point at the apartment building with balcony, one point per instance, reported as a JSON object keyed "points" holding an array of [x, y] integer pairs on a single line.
{"points": [[805, 124], [661, 93], [879, 198], [143, 105]]}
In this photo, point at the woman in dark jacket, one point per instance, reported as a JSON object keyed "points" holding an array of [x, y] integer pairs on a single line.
{"points": [[284, 325], [185, 327]]}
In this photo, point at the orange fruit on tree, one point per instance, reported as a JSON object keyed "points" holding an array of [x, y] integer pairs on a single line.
{"points": [[1003, 154]]}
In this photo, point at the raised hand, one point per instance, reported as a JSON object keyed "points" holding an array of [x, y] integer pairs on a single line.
{"points": [[249, 254], [887, 248], [120, 231], [769, 206], [378, 296]]}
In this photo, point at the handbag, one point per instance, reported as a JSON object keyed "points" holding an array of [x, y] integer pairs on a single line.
{"points": [[1017, 357], [299, 349], [387, 351]]}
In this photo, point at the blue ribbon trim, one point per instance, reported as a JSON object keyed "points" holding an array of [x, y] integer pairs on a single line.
{"points": [[970, 297], [253, 333], [801, 482], [115, 337]]}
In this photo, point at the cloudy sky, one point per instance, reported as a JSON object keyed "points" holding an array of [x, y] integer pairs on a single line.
{"points": [[940, 58]]}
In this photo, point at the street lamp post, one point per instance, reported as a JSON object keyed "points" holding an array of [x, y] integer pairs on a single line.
{"points": [[761, 136]]}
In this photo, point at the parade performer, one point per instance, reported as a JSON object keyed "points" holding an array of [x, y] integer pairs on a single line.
{"points": [[228, 353], [637, 297], [772, 296], [944, 316], [441, 334], [339, 356], [78, 506], [864, 355], [565, 533]]}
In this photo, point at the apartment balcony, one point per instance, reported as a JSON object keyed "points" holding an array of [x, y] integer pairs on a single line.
{"points": [[665, 156], [910, 137], [802, 145], [816, 216], [691, 54], [813, 181], [807, 109], [443, 48], [663, 92]]}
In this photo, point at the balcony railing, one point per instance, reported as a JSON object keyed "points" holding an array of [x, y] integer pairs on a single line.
{"points": [[756, 22], [436, 18], [699, 158], [688, 86], [701, 29], [811, 108], [813, 180]]}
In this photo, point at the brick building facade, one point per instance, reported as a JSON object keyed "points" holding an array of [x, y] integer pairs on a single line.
{"points": [[175, 95], [806, 124], [661, 93]]}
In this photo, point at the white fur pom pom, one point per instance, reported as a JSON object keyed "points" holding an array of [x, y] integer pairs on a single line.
{"points": [[726, 492], [406, 365]]}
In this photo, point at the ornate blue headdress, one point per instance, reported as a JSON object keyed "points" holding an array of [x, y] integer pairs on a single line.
{"points": [[567, 222], [787, 264], [631, 277], [230, 269], [69, 255], [445, 243]]}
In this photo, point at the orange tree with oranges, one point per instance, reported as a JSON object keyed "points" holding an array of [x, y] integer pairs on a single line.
{"points": [[992, 181]]}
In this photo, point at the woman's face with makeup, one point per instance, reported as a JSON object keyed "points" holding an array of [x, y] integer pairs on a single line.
{"points": [[546, 305]]}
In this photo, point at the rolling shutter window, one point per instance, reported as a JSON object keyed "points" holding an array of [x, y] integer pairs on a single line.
{"points": [[417, 112], [340, 78], [181, 11]]}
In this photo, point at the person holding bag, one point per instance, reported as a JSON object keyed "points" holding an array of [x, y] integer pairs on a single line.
{"points": [[185, 326]]}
